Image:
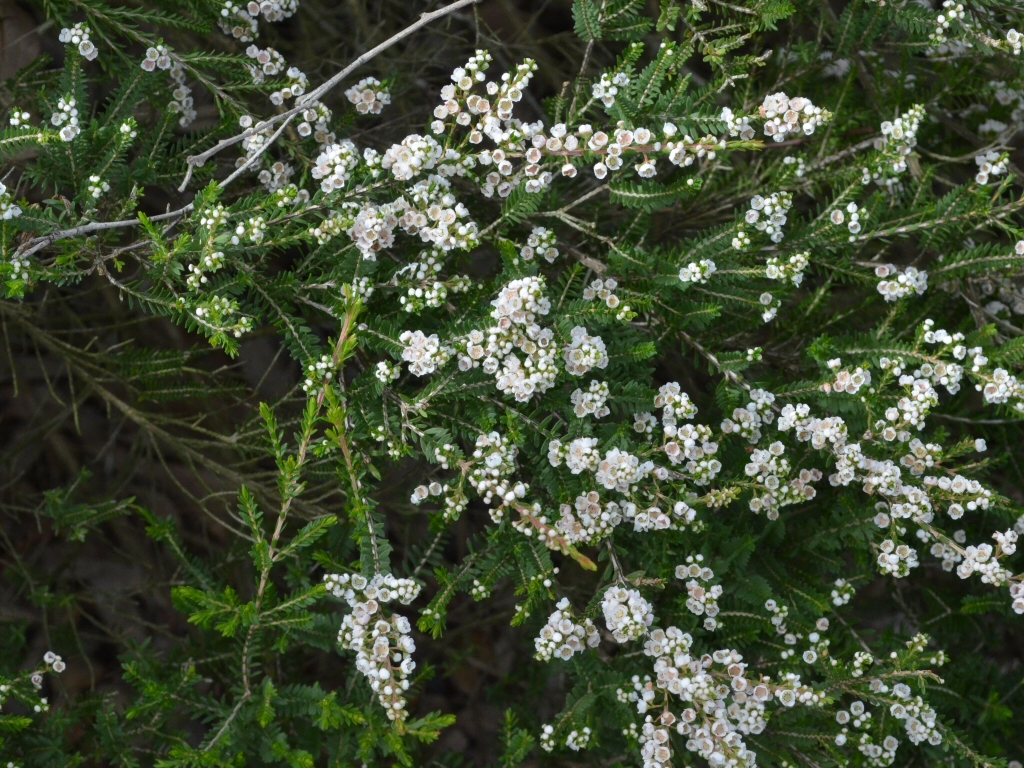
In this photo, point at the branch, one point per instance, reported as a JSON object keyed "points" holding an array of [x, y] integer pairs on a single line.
{"points": [[38, 243], [197, 161]]}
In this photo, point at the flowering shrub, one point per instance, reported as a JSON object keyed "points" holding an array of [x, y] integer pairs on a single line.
{"points": [[693, 359]]}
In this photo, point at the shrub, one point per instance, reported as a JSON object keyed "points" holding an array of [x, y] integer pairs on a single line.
{"points": [[676, 359]]}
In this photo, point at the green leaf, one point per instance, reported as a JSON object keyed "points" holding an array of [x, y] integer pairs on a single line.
{"points": [[587, 18]]}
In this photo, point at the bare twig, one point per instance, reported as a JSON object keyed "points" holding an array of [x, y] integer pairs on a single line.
{"points": [[197, 161]]}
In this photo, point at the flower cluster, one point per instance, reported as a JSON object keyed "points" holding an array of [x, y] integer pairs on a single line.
{"points": [[856, 213], [431, 211], [581, 455], [990, 164], [620, 471], [918, 717], [747, 421], [55, 662], [785, 116], [896, 559], [277, 178], [702, 599], [562, 637], [157, 58], [369, 96], [269, 61], [697, 271], [607, 88], [591, 522], [78, 35], [335, 164], [774, 490], [516, 310], [182, 101], [791, 269], [898, 140], [584, 353], [413, 156], [577, 740], [592, 402], [425, 354], [768, 214], [906, 283], [541, 243], [382, 642], [850, 382], [235, 20], [626, 613], [8, 208], [66, 112], [373, 229]]}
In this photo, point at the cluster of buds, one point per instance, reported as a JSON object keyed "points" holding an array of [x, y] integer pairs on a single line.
{"points": [[842, 592], [97, 187], [318, 374], [494, 458], [20, 119], [951, 11]]}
